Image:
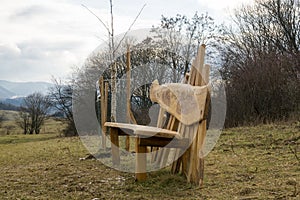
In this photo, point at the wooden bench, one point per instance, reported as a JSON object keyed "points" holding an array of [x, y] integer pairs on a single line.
{"points": [[187, 106]]}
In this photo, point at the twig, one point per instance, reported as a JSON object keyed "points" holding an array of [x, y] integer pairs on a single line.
{"points": [[130, 26], [97, 18]]}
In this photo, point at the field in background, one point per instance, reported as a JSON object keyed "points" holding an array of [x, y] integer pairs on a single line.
{"points": [[9, 127], [248, 163]]}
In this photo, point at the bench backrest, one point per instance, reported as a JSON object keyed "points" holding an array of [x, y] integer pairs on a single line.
{"points": [[187, 108]]}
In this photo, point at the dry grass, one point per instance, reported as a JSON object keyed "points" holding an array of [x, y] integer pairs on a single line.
{"points": [[9, 126], [247, 163]]}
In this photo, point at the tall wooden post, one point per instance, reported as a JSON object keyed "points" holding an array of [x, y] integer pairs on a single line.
{"points": [[103, 105], [128, 93]]}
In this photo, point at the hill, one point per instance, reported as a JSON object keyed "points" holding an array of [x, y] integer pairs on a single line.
{"points": [[9, 89], [4, 93]]}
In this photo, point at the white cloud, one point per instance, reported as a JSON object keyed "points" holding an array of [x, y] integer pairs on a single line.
{"points": [[9, 50], [51, 36], [223, 4]]}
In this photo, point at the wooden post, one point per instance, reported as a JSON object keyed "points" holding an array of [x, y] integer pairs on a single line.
{"points": [[201, 138], [200, 64], [192, 160], [128, 93], [141, 161], [160, 123], [114, 137], [103, 113]]}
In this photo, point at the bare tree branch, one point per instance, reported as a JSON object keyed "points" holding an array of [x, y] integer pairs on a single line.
{"points": [[140, 12], [97, 18]]}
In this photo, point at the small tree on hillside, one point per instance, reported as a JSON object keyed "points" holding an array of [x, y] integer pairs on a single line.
{"points": [[33, 113], [2, 118], [23, 120], [61, 99]]}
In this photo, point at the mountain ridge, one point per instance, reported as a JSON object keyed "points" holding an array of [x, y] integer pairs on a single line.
{"points": [[10, 89]]}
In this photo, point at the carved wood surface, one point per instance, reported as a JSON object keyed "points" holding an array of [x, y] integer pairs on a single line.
{"points": [[185, 102]]}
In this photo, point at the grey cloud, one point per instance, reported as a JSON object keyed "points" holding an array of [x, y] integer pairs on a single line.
{"points": [[34, 59], [46, 46], [31, 11]]}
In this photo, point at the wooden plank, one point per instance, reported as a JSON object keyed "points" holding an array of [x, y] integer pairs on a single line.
{"points": [[114, 137], [141, 161], [193, 154], [105, 110], [208, 98], [177, 160], [201, 139], [205, 74], [201, 172], [160, 122], [186, 161], [200, 64], [161, 118], [193, 171], [163, 142], [173, 127], [192, 76], [144, 131], [165, 152]]}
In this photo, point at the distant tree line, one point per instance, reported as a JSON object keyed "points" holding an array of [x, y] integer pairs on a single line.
{"points": [[7, 106]]}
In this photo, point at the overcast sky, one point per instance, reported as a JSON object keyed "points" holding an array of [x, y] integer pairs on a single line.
{"points": [[44, 38]]}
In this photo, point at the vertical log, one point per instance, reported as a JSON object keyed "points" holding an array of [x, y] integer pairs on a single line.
{"points": [[141, 161], [178, 160], [128, 93], [173, 126], [114, 137], [160, 121], [105, 112], [103, 107], [200, 65]]}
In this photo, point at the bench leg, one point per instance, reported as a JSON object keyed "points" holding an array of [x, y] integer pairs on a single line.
{"points": [[141, 161], [114, 137]]}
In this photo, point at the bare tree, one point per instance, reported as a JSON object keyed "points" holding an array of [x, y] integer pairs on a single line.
{"points": [[261, 62], [33, 113], [182, 36], [60, 96], [113, 47], [23, 120]]}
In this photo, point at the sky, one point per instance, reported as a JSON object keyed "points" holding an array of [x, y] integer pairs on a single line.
{"points": [[40, 39]]}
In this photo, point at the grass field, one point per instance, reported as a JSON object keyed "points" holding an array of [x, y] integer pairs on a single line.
{"points": [[247, 163], [9, 126]]}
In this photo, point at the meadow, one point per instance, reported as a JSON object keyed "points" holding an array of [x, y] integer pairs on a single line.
{"points": [[260, 162]]}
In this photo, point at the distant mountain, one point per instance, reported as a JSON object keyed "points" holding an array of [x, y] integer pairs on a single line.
{"points": [[7, 106], [10, 89], [13, 101], [4, 93]]}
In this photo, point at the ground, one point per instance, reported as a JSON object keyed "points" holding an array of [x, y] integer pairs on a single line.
{"points": [[259, 162]]}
